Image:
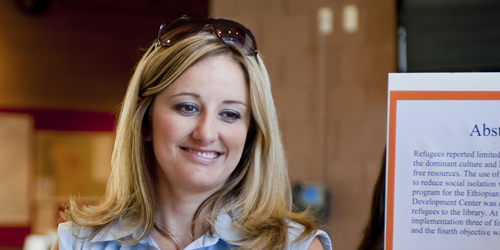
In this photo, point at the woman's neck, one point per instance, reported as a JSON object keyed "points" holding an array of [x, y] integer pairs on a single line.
{"points": [[175, 213]]}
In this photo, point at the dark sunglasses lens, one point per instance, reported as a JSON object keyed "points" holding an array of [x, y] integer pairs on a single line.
{"points": [[177, 29], [234, 33], [229, 31]]}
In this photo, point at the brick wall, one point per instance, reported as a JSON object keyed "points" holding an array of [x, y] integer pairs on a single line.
{"points": [[338, 140]]}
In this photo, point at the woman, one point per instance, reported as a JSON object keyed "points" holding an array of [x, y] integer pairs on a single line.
{"points": [[198, 161]]}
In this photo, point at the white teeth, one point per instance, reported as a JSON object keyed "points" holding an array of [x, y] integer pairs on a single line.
{"points": [[204, 154]]}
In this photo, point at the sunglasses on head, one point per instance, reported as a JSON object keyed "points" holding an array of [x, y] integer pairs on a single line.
{"points": [[230, 32]]}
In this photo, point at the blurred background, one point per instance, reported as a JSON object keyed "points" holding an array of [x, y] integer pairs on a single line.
{"points": [[65, 64]]}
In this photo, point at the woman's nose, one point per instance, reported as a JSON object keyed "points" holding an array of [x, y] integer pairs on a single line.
{"points": [[206, 129]]}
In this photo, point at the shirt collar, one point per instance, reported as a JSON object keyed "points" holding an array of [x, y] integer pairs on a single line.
{"points": [[223, 228], [222, 231], [116, 231]]}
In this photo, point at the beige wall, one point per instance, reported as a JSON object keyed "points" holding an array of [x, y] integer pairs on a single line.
{"points": [[355, 79], [73, 57]]}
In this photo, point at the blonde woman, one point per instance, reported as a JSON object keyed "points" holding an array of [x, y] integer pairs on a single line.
{"points": [[198, 161]]}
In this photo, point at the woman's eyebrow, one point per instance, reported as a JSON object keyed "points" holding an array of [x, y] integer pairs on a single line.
{"points": [[187, 93], [234, 102], [196, 95]]}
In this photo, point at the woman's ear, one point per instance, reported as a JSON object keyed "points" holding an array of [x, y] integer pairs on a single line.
{"points": [[148, 137], [146, 130], [146, 126]]}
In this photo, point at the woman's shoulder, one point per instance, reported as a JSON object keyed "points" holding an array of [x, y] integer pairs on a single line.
{"points": [[296, 229], [225, 231], [69, 233], [72, 236]]}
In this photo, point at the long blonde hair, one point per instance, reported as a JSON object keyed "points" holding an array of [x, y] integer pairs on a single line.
{"points": [[258, 190]]}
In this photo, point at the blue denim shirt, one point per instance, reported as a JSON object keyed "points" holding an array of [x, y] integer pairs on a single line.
{"points": [[219, 241]]}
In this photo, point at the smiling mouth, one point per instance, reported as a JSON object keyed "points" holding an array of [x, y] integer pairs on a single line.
{"points": [[208, 155]]}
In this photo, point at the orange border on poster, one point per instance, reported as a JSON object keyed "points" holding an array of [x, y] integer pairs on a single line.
{"points": [[399, 95]]}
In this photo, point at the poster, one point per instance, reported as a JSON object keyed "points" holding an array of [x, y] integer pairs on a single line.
{"points": [[69, 163], [443, 161], [16, 164], [46, 156], [73, 163]]}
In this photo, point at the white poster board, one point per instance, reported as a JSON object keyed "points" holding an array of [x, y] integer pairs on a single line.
{"points": [[16, 168], [443, 161]]}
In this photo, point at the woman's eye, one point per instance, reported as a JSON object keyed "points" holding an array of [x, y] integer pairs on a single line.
{"points": [[186, 108], [230, 115]]}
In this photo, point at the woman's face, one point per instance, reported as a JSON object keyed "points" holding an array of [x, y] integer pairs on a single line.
{"points": [[199, 125]]}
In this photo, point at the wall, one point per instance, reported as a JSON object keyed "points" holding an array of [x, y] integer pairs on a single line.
{"points": [[342, 149]]}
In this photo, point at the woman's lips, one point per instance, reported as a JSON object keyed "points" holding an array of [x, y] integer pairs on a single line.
{"points": [[204, 154]]}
